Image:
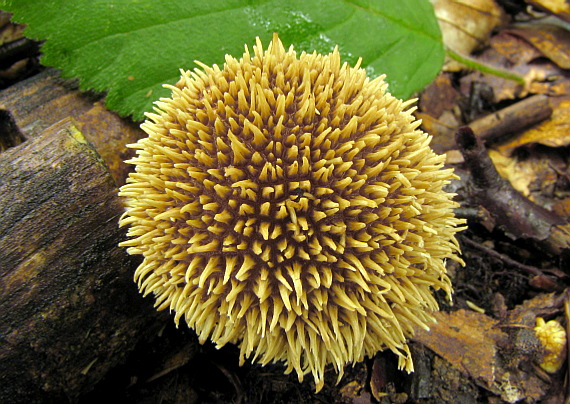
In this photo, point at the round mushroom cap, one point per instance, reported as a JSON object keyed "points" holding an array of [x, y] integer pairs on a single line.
{"points": [[291, 205]]}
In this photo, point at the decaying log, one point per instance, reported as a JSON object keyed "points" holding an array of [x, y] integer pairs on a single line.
{"points": [[35, 104], [69, 310]]}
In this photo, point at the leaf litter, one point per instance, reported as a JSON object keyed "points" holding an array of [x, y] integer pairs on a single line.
{"points": [[483, 348]]}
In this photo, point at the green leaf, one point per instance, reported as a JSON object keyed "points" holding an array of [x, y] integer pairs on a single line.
{"points": [[131, 47]]}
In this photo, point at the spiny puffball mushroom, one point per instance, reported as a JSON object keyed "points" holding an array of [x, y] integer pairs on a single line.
{"points": [[553, 339], [291, 205]]}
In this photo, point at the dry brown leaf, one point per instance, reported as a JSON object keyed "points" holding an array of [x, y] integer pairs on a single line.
{"points": [[442, 129], [520, 175], [540, 306], [541, 76], [467, 24], [527, 58], [537, 53], [559, 8], [454, 157], [355, 392], [554, 132], [470, 340], [557, 88], [517, 50], [498, 356], [562, 207], [536, 172], [438, 96], [551, 40], [537, 177]]}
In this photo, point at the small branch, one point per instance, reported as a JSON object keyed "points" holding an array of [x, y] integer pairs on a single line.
{"points": [[539, 280], [512, 119], [507, 260], [469, 213], [516, 215], [483, 172]]}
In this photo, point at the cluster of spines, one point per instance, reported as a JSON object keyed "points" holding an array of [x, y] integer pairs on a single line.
{"points": [[292, 205]]}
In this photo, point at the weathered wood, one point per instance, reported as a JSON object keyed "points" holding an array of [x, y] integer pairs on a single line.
{"points": [[507, 121], [35, 104], [69, 310], [43, 100]]}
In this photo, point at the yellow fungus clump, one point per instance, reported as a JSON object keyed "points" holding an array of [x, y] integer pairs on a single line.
{"points": [[291, 205], [553, 338]]}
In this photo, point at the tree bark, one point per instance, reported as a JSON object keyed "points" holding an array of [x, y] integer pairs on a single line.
{"points": [[31, 106], [69, 310]]}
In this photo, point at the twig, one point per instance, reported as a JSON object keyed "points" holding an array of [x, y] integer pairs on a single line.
{"points": [[234, 380], [507, 260], [512, 119], [540, 279], [469, 213], [516, 215]]}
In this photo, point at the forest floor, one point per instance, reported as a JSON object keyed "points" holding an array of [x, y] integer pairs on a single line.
{"points": [[515, 96]]}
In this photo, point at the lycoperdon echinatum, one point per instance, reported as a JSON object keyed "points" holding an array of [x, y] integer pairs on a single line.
{"points": [[289, 204]]}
